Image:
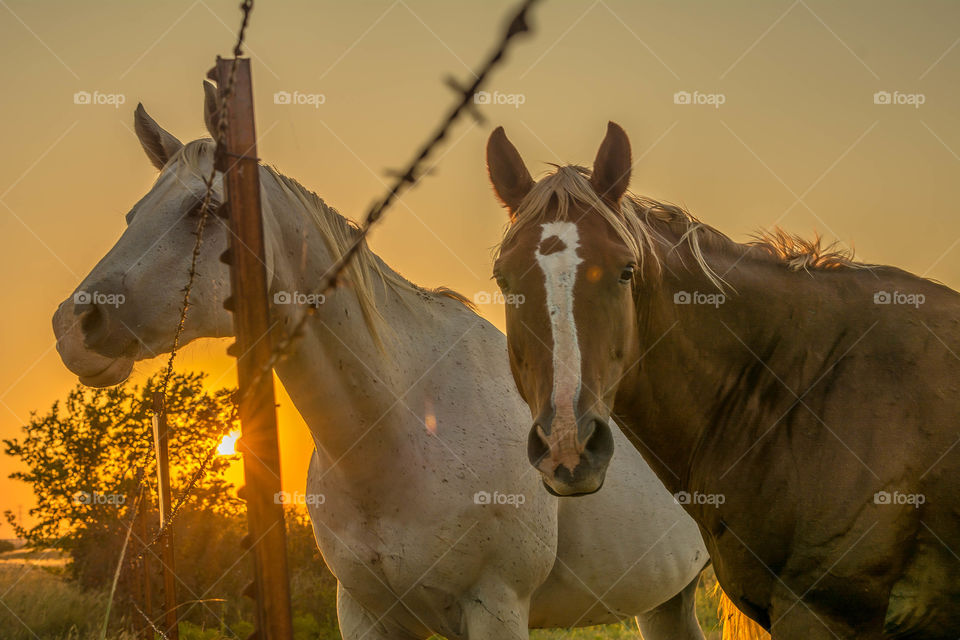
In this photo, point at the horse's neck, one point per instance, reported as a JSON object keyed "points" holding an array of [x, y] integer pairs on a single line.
{"points": [[361, 399], [719, 368]]}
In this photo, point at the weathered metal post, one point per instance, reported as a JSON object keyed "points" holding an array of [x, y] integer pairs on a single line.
{"points": [[254, 349], [161, 439]]}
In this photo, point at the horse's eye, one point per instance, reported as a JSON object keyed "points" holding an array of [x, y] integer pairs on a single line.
{"points": [[626, 276], [501, 281]]}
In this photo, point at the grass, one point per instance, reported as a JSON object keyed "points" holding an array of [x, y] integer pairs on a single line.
{"points": [[37, 602]]}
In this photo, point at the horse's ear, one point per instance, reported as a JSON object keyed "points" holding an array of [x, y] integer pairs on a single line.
{"points": [[211, 109], [159, 145], [611, 169], [509, 176]]}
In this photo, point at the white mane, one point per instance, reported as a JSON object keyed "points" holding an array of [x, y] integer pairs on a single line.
{"points": [[365, 270]]}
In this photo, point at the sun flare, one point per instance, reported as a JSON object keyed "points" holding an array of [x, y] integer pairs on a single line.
{"points": [[228, 446]]}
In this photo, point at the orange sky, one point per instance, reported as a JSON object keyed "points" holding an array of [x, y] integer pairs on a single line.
{"points": [[798, 140]]}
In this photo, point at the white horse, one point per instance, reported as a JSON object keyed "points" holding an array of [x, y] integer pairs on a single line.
{"points": [[432, 519]]}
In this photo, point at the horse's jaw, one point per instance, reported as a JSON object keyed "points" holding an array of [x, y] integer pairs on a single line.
{"points": [[93, 369], [115, 373]]}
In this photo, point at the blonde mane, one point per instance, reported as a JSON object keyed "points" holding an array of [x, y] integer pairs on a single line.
{"points": [[638, 221], [804, 253], [363, 272]]}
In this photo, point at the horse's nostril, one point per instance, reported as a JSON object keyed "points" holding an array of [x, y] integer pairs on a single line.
{"points": [[600, 440], [587, 430], [94, 325], [91, 319], [537, 446]]}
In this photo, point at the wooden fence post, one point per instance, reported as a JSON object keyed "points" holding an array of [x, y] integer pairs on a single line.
{"points": [[161, 439], [254, 350]]}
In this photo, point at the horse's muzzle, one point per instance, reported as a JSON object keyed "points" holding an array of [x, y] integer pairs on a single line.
{"points": [[572, 465], [93, 368]]}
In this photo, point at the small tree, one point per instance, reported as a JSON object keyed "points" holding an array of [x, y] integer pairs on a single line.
{"points": [[85, 457]]}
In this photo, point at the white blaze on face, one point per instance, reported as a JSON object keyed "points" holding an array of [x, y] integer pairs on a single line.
{"points": [[560, 275]]}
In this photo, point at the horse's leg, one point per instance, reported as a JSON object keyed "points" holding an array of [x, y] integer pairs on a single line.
{"points": [[675, 619], [494, 612], [356, 622], [791, 619]]}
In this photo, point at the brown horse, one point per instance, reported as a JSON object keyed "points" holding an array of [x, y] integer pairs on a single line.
{"points": [[801, 406]]}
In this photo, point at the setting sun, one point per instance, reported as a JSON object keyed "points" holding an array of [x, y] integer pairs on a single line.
{"points": [[228, 446]]}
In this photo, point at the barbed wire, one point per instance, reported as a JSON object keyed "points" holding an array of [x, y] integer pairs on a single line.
{"points": [[220, 117], [188, 488], [153, 626], [181, 499], [246, 8], [403, 180]]}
